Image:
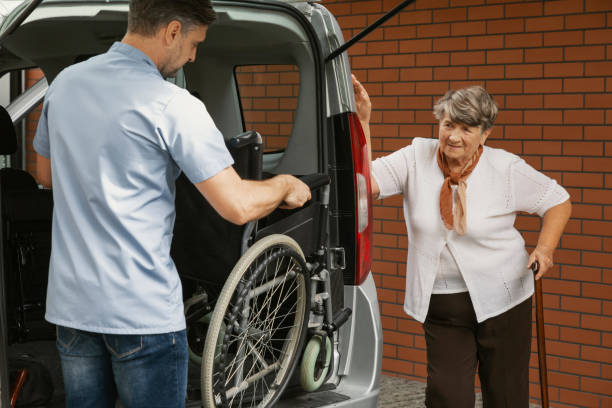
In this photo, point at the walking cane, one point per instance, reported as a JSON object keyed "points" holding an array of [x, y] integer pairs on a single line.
{"points": [[535, 267]]}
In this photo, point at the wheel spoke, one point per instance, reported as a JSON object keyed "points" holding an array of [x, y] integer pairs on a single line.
{"points": [[276, 309], [245, 384], [261, 289]]}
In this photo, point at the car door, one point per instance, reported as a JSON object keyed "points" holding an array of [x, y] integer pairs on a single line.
{"points": [[12, 14]]}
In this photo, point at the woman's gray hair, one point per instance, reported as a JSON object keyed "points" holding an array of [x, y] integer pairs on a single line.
{"points": [[472, 106]]}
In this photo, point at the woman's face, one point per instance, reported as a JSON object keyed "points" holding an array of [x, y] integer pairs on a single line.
{"points": [[459, 141]]}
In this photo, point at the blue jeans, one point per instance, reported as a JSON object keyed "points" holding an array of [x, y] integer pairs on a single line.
{"points": [[140, 370]]}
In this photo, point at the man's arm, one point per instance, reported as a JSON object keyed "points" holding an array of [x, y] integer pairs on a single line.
{"points": [[240, 201], [43, 171]]}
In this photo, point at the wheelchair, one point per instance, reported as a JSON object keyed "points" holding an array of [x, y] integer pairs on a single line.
{"points": [[255, 293]]}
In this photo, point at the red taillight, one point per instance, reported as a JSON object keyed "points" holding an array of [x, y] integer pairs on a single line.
{"points": [[363, 201]]}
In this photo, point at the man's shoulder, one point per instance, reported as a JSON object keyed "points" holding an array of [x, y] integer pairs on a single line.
{"points": [[82, 70], [182, 101], [181, 110]]}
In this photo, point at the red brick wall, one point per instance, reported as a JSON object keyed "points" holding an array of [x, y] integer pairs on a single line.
{"points": [[269, 97], [31, 122], [549, 66]]}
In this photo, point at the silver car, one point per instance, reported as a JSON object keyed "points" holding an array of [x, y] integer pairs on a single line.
{"points": [[272, 77]]}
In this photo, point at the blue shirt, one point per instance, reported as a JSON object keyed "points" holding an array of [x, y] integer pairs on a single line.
{"points": [[118, 135]]}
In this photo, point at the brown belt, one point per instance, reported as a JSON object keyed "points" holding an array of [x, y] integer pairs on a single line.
{"points": [[541, 336]]}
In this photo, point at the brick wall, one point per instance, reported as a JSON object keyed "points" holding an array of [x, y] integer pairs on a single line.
{"points": [[549, 66], [269, 97], [32, 76]]}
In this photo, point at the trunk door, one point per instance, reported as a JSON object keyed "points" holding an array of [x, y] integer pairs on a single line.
{"points": [[12, 14]]}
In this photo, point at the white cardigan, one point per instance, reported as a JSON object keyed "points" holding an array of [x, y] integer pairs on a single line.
{"points": [[491, 255]]}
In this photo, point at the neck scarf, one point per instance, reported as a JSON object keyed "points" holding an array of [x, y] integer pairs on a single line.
{"points": [[455, 217]]}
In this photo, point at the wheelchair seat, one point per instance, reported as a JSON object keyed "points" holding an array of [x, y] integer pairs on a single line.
{"points": [[205, 247]]}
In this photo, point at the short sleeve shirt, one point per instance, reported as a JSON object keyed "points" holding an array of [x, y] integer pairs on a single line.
{"points": [[118, 135], [491, 256], [528, 189]]}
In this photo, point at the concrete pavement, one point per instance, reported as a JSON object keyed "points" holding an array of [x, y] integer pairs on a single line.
{"points": [[398, 392]]}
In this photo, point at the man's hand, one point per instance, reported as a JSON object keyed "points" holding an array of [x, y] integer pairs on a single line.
{"points": [[362, 101], [240, 201], [297, 195]]}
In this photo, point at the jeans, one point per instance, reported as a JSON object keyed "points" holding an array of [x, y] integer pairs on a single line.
{"points": [[139, 370]]}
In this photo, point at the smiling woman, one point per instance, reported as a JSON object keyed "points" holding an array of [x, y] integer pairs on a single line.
{"points": [[466, 118], [467, 277]]}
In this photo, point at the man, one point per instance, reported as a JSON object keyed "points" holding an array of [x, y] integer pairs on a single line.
{"points": [[117, 135]]}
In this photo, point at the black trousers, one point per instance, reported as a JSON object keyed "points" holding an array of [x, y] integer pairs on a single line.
{"points": [[457, 344]]}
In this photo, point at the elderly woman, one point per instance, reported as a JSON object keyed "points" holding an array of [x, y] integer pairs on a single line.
{"points": [[468, 279]]}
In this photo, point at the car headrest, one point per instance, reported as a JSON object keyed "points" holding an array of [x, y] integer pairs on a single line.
{"points": [[8, 137]]}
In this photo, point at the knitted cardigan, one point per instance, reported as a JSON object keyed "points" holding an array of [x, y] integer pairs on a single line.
{"points": [[491, 255]]}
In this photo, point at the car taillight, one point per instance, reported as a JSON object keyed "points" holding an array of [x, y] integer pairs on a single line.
{"points": [[363, 201]]}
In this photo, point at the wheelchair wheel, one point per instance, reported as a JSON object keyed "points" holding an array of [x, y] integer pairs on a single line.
{"points": [[264, 307]]}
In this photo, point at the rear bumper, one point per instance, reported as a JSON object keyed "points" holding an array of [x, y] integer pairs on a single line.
{"points": [[358, 399], [361, 354]]}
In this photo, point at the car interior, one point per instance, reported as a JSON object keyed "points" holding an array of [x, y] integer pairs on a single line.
{"points": [[205, 247]]}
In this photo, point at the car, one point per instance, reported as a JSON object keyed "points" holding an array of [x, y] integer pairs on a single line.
{"points": [[273, 80]]}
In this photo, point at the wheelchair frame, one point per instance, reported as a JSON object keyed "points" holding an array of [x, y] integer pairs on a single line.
{"points": [[250, 351]]}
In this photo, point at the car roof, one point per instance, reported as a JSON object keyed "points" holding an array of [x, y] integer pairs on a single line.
{"points": [[8, 7]]}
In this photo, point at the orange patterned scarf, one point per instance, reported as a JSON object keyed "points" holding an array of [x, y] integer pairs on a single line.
{"points": [[458, 219]]}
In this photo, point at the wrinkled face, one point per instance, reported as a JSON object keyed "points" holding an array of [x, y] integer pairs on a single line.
{"points": [[182, 50], [459, 141]]}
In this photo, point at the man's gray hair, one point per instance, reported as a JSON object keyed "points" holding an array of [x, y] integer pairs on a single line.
{"points": [[472, 106], [147, 16]]}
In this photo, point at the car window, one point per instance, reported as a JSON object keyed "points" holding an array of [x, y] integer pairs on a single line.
{"points": [[5, 100], [269, 98], [5, 89]]}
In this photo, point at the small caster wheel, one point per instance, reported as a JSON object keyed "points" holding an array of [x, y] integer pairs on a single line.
{"points": [[311, 375]]}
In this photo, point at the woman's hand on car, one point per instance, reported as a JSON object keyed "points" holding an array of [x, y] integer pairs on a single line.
{"points": [[362, 101], [544, 257], [363, 106]]}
